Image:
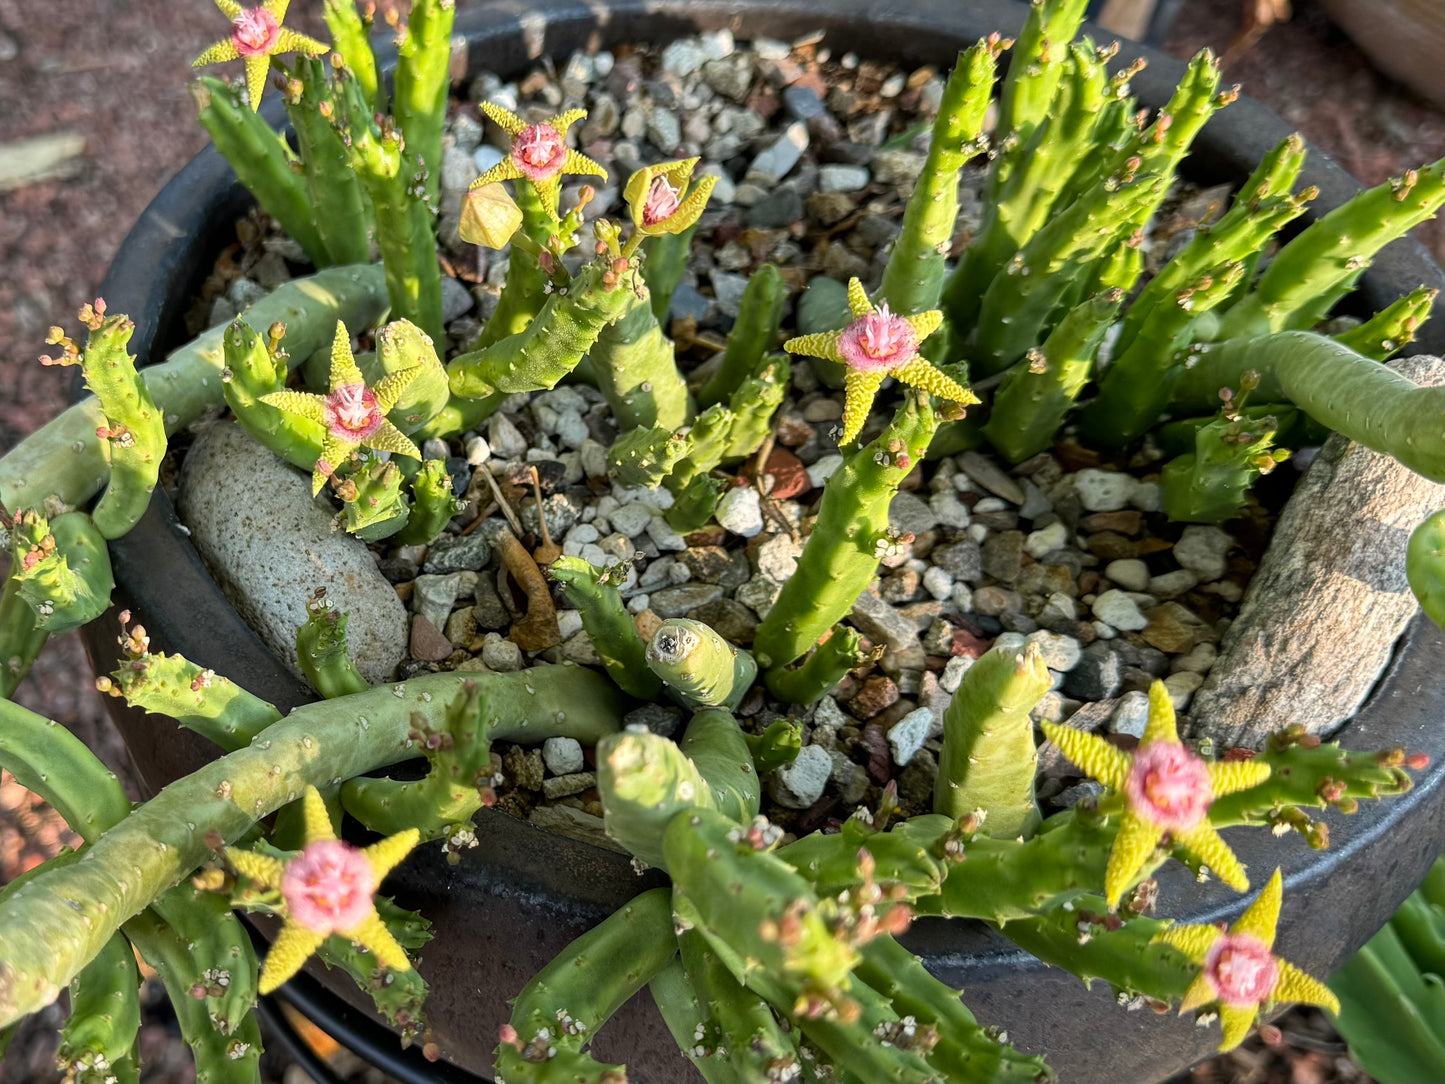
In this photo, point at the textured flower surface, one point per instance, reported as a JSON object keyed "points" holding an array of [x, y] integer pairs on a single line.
{"points": [[876, 344], [353, 414], [1167, 790], [327, 888], [1239, 970], [256, 36], [666, 198], [539, 155]]}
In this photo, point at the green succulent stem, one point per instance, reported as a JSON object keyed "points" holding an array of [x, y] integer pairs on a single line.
{"points": [[820, 672], [699, 665], [98, 1042], [21, 639], [262, 161], [254, 367], [1392, 328], [608, 624], [321, 649], [988, 762], [351, 40], [848, 539], [423, 60], [635, 368], [1335, 386], [199, 700], [334, 196], [64, 458], [759, 315], [1424, 569]]}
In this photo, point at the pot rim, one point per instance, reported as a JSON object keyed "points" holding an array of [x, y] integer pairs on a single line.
{"points": [[160, 575]]}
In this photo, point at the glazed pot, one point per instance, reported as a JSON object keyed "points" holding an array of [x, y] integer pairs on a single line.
{"points": [[519, 897]]}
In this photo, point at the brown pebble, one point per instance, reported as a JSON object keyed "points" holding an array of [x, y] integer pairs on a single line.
{"points": [[1111, 546], [427, 642], [874, 742], [1128, 521], [877, 693]]}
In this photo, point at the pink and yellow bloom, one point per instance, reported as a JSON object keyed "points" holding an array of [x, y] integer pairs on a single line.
{"points": [[666, 199], [1167, 791], [326, 888], [879, 343], [256, 36], [539, 154], [1239, 970], [353, 414]]}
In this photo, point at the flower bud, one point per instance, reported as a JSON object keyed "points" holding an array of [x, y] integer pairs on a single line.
{"points": [[489, 216]]}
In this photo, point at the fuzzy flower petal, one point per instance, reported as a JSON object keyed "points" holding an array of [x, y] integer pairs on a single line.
{"points": [[290, 950], [666, 198], [256, 36], [1167, 791], [1239, 971], [539, 154], [878, 343]]}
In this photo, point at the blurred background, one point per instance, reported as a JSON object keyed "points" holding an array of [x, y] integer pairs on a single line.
{"points": [[95, 117]]}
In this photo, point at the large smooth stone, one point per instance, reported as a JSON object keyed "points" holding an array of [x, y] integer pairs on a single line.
{"points": [[270, 545]]}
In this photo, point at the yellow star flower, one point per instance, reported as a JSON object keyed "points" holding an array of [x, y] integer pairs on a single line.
{"points": [[539, 154], [876, 344], [1167, 791], [353, 414], [1239, 970], [659, 199], [256, 36], [327, 888]]}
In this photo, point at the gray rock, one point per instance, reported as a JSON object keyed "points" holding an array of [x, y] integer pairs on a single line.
{"points": [[684, 56], [730, 76], [1003, 555], [954, 671], [778, 209], [778, 160], [664, 130], [1096, 676], [910, 513], [459, 553], [777, 558], [728, 288], [1130, 573], [434, 596], [801, 783], [961, 560], [505, 438], [758, 594], [456, 299], [849, 779], [1204, 550], [842, 178], [883, 624], [1103, 490], [1061, 653], [661, 719], [907, 735], [741, 511], [681, 600], [271, 550], [1132, 714], [987, 473], [897, 167], [489, 610], [562, 755], [1074, 795], [1118, 609], [501, 654]]}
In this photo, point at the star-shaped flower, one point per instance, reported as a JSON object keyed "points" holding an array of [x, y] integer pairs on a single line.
{"points": [[659, 199], [1167, 791], [256, 36], [1240, 970], [327, 888], [353, 414], [539, 154], [876, 344]]}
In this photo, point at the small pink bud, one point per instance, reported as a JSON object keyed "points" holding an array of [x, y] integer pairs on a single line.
{"points": [[328, 887], [1169, 786], [1242, 970]]}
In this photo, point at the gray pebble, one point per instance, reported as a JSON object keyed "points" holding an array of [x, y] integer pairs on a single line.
{"points": [[799, 784]]}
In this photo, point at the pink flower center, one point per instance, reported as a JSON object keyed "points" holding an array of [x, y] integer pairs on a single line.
{"points": [[879, 340], [352, 414], [662, 202], [1242, 970], [539, 151], [328, 887], [1169, 786], [255, 32]]}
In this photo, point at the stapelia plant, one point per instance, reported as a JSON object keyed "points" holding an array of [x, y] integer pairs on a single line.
{"points": [[769, 961]]}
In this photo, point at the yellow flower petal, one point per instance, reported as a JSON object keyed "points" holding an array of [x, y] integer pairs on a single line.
{"points": [[389, 389], [343, 363], [257, 68], [292, 42], [277, 8], [504, 119], [1161, 725], [1229, 776], [505, 170], [230, 9], [373, 935], [822, 344], [316, 817], [1132, 848], [385, 854], [219, 53], [391, 439], [1193, 941], [298, 402], [563, 121], [1262, 916], [1236, 1024], [1295, 985], [1201, 992], [925, 324], [1208, 846], [333, 452], [859, 390], [1091, 753], [921, 374], [263, 869], [858, 299], [287, 955], [577, 162]]}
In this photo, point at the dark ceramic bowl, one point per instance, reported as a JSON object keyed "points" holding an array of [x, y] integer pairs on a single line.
{"points": [[523, 894]]}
